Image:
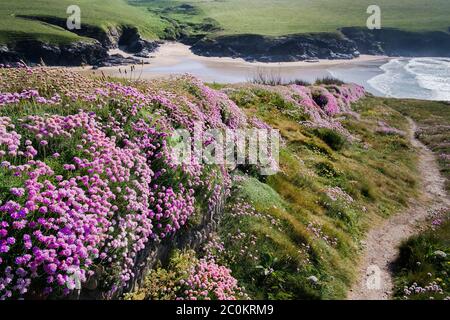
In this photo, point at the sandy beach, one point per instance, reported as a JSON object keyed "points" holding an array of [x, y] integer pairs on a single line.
{"points": [[171, 53], [173, 59]]}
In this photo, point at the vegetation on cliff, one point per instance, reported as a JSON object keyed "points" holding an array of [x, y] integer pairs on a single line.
{"points": [[174, 18], [17, 21], [423, 267], [90, 186], [283, 17]]}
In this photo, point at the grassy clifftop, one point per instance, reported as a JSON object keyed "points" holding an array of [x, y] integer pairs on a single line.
{"points": [[424, 263], [155, 19], [90, 187], [102, 14], [276, 18]]}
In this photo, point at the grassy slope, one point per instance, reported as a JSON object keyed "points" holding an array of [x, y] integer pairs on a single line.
{"points": [[296, 197], [433, 119], [274, 252], [417, 262], [99, 13], [264, 17], [268, 17], [378, 172]]}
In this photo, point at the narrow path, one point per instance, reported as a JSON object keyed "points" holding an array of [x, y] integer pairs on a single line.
{"points": [[381, 245]]}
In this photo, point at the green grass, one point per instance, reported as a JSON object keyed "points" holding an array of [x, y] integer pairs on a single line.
{"points": [[295, 197], [433, 120], [156, 18], [419, 263], [99, 13], [281, 17], [378, 171]]}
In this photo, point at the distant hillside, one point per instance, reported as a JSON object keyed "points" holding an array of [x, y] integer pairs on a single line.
{"points": [[262, 30], [14, 24], [282, 17]]}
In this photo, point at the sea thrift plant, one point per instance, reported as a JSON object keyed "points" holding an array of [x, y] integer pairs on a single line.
{"points": [[103, 201], [321, 104], [336, 193], [187, 277], [319, 233], [95, 188], [415, 289], [326, 100], [89, 182], [210, 281], [386, 129]]}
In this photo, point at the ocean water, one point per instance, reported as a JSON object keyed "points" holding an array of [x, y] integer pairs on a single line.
{"points": [[420, 78]]}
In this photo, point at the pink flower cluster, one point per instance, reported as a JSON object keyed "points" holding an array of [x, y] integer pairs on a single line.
{"points": [[432, 287], [12, 98], [326, 100], [91, 191], [210, 281], [221, 110], [103, 205], [349, 93], [386, 129], [318, 233], [8, 138], [336, 193], [322, 103]]}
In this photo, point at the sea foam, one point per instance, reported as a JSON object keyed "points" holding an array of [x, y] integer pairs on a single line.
{"points": [[420, 78]]}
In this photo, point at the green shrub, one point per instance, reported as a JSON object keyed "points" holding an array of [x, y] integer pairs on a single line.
{"points": [[163, 283], [329, 81], [326, 169], [333, 139]]}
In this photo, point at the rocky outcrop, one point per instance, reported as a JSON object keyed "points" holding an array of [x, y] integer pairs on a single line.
{"points": [[131, 42], [278, 49], [33, 51], [347, 44], [116, 60], [393, 42]]}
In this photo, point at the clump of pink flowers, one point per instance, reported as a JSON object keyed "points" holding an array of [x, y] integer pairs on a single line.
{"points": [[319, 233], [88, 190], [11, 98], [336, 193], [321, 104], [432, 287], [91, 192], [102, 206], [326, 100], [210, 281]]}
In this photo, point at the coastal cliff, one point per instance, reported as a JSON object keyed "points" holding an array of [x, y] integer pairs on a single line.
{"points": [[347, 44], [92, 50]]}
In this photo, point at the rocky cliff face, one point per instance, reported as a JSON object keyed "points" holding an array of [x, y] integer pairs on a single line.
{"points": [[73, 54], [392, 42], [278, 49], [348, 44], [94, 52]]}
